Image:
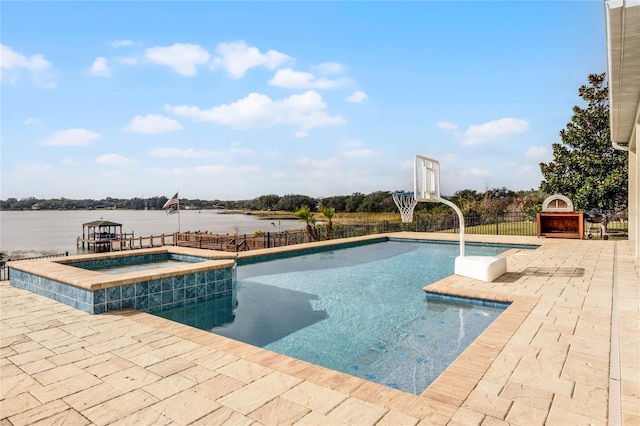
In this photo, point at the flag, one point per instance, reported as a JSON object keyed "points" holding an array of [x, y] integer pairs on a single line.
{"points": [[171, 202], [172, 205], [173, 209]]}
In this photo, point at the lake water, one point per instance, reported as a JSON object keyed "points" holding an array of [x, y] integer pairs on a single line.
{"points": [[56, 231]]}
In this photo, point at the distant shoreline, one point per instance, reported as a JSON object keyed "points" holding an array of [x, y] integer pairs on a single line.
{"points": [[261, 214]]}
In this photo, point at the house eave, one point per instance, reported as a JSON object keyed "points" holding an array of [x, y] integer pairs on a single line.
{"points": [[623, 43]]}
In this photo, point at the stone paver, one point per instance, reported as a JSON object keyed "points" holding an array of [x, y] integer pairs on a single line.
{"points": [[546, 360]]}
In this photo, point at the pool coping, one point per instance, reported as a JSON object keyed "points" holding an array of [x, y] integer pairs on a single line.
{"points": [[58, 269]]}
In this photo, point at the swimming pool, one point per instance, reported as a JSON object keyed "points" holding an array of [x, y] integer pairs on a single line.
{"points": [[359, 310]]}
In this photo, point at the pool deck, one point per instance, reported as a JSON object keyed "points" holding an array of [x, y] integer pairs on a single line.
{"points": [[567, 351]]}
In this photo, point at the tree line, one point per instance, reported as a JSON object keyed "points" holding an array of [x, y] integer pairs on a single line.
{"points": [[470, 201]]}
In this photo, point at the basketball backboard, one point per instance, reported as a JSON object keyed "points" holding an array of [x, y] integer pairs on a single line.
{"points": [[427, 179]]}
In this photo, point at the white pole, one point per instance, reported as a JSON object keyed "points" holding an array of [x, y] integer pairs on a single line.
{"points": [[450, 204], [178, 214]]}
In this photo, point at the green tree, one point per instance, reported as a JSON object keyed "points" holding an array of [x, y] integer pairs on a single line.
{"points": [[377, 202], [468, 200], [305, 215], [354, 201], [585, 167], [328, 212], [267, 202], [293, 202], [338, 202]]}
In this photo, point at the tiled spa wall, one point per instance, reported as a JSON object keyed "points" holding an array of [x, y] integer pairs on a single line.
{"points": [[153, 294]]}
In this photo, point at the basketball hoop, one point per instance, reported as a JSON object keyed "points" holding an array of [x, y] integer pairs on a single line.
{"points": [[406, 202], [426, 186], [427, 179]]}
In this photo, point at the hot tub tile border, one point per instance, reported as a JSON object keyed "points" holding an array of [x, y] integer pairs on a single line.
{"points": [[153, 294]]}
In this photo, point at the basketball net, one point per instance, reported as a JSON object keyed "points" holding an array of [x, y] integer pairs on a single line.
{"points": [[406, 202]]}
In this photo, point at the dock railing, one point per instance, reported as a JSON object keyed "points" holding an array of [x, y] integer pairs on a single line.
{"points": [[132, 243]]}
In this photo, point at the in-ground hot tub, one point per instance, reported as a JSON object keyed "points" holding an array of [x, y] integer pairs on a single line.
{"points": [[149, 279]]}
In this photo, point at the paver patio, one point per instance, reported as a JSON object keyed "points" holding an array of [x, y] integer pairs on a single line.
{"points": [[552, 357]]}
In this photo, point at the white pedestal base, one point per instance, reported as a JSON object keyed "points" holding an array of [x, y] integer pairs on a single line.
{"points": [[483, 268]]}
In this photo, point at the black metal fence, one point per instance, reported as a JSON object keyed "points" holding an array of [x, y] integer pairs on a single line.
{"points": [[489, 224], [496, 224], [4, 269]]}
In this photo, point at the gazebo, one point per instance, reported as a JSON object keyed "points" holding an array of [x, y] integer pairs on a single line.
{"points": [[99, 234]]}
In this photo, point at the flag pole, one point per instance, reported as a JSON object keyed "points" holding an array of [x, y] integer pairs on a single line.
{"points": [[178, 214]]}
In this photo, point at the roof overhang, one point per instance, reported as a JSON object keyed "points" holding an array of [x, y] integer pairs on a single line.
{"points": [[623, 53]]}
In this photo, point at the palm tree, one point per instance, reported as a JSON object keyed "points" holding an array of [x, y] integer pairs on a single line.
{"points": [[305, 215], [328, 212]]}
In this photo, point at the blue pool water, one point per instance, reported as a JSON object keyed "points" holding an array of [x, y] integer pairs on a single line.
{"points": [[136, 267], [359, 310]]}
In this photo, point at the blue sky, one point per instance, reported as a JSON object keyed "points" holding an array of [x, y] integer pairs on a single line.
{"points": [[233, 100]]}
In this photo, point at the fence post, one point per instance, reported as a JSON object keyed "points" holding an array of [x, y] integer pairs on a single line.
{"points": [[497, 229]]}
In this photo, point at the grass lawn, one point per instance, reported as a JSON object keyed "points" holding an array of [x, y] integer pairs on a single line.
{"points": [[511, 228]]}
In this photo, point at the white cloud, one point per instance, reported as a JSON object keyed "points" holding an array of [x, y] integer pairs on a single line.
{"points": [[71, 137], [355, 149], [114, 160], [100, 67], [537, 153], [121, 43], [306, 110], [177, 153], [291, 79], [356, 97], [13, 63], [32, 122], [183, 58], [330, 68], [236, 58], [447, 125], [13, 60], [494, 130], [152, 124]]}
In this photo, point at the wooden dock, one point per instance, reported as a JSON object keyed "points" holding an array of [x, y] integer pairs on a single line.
{"points": [[202, 240]]}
